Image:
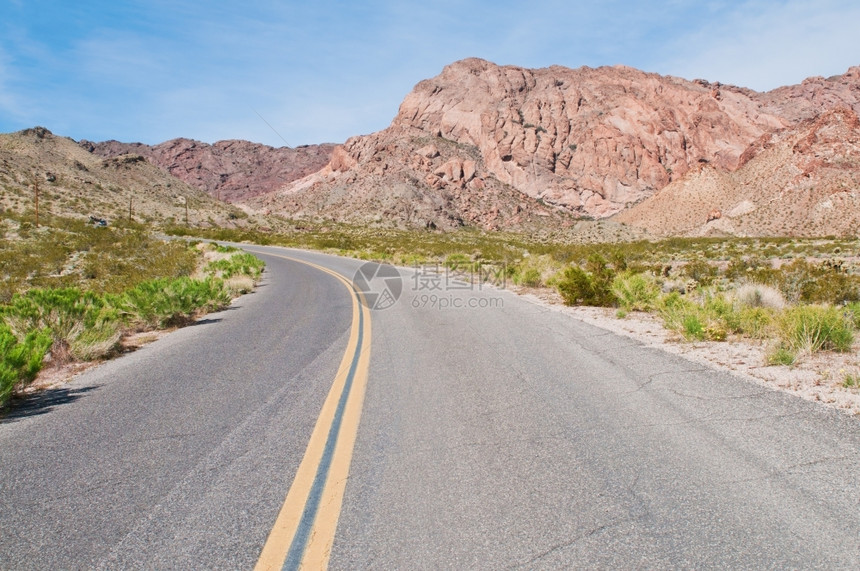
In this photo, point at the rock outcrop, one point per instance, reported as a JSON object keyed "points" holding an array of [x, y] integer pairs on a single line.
{"points": [[814, 96], [232, 171], [799, 181]]}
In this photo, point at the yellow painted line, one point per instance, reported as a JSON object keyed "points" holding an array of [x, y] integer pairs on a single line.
{"points": [[310, 547]]}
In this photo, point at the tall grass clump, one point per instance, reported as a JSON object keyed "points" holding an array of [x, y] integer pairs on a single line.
{"points": [[759, 295], [169, 302], [636, 292], [807, 329], [82, 325], [20, 359], [536, 271], [238, 264], [710, 318]]}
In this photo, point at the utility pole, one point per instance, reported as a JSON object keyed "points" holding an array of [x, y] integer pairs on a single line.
{"points": [[130, 199], [186, 210], [36, 188]]}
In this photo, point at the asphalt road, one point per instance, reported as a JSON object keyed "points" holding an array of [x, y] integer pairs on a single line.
{"points": [[494, 434]]}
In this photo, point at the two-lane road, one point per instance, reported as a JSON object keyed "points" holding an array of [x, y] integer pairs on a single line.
{"points": [[493, 434]]}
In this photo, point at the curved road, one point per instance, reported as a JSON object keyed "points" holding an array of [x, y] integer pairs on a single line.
{"points": [[494, 434]]}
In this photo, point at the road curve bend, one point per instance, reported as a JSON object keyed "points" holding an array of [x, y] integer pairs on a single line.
{"points": [[494, 433]]}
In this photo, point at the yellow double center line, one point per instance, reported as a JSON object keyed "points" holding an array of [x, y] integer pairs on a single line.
{"points": [[303, 533]]}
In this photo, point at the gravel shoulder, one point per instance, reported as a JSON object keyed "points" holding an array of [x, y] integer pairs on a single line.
{"points": [[816, 377]]}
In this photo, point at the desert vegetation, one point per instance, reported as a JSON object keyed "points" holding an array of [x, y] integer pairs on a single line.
{"points": [[800, 296], [71, 291], [801, 299]]}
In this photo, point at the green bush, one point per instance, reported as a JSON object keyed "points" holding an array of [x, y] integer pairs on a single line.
{"points": [[692, 326], [755, 321], [167, 302], [83, 323], [636, 292], [807, 329], [694, 321], [239, 264], [20, 360], [700, 271], [535, 271], [593, 287]]}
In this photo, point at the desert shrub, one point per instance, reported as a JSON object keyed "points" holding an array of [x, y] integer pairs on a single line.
{"points": [[458, 261], [750, 268], [759, 295], [580, 287], [239, 284], [164, 302], [700, 271], [755, 321], [238, 264], [779, 355], [530, 277], [225, 249], [852, 312], [692, 326], [693, 320], [806, 329], [636, 292], [828, 282], [20, 359], [83, 324], [576, 286], [535, 271]]}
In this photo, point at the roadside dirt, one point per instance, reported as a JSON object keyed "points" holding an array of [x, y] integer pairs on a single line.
{"points": [[818, 377]]}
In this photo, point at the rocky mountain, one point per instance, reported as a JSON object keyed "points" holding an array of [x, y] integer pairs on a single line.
{"points": [[813, 96], [503, 146], [800, 181], [233, 171], [74, 182]]}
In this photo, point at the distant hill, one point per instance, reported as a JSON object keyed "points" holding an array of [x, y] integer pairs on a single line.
{"points": [[232, 171], [74, 182]]}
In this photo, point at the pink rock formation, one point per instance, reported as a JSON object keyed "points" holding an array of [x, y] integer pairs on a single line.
{"points": [[233, 171], [589, 141]]}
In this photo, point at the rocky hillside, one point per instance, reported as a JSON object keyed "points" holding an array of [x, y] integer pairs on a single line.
{"points": [[233, 171], [74, 182], [500, 146], [801, 181]]}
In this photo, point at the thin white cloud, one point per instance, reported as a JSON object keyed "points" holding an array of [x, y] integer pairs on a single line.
{"points": [[763, 45]]}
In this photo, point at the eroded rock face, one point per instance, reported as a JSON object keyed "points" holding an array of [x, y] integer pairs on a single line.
{"points": [[590, 140], [798, 181], [233, 170], [814, 96]]}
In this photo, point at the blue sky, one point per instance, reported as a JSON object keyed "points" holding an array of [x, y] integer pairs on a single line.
{"points": [[323, 71]]}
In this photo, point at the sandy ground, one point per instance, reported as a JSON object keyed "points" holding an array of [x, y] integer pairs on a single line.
{"points": [[816, 377]]}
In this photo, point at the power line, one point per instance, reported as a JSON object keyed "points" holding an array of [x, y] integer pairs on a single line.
{"points": [[272, 128]]}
